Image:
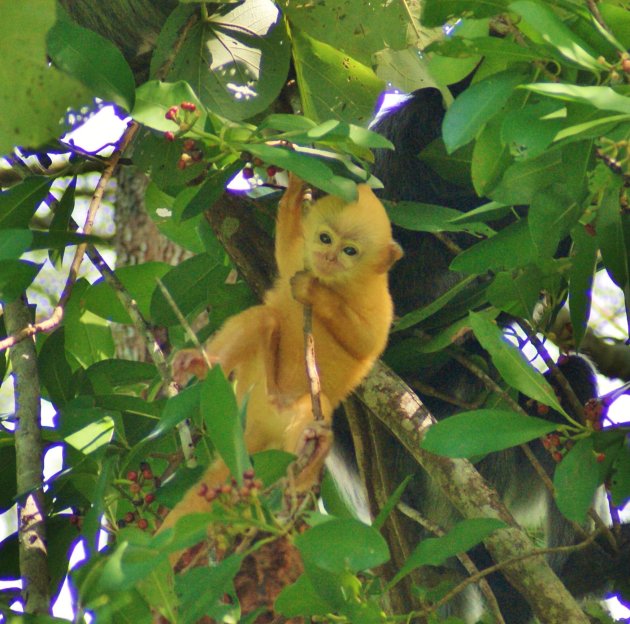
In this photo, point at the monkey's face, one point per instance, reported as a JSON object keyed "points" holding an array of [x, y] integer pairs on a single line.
{"points": [[332, 256]]}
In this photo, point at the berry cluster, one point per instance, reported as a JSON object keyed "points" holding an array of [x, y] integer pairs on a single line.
{"points": [[555, 446], [230, 494], [185, 116], [253, 164], [594, 413], [142, 485]]}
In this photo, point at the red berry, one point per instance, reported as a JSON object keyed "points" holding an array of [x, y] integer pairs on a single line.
{"points": [[248, 474], [129, 516], [625, 65], [142, 524], [147, 474], [600, 457], [272, 170], [172, 113], [169, 136], [226, 488], [149, 498], [188, 106], [134, 488], [589, 228], [248, 173], [203, 490], [189, 145], [132, 475], [542, 409], [557, 456]]}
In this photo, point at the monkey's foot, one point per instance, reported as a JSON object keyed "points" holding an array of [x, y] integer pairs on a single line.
{"points": [[302, 286], [313, 448]]}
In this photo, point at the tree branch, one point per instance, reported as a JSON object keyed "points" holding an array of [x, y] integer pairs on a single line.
{"points": [[28, 449]]}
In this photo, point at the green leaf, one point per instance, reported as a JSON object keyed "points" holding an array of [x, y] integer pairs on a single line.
{"points": [[435, 13], [620, 480], [221, 415], [511, 248], [189, 284], [271, 465], [610, 234], [236, 60], [359, 29], [93, 518], [583, 264], [54, 371], [300, 599], [210, 191], [335, 503], [475, 106], [618, 19], [122, 373], [576, 478], [202, 589], [13, 243], [18, 204], [436, 550], [490, 157], [516, 294], [417, 316], [15, 277], [551, 216], [93, 60], [88, 337], [28, 119], [391, 503], [483, 431], [540, 18], [431, 218], [342, 545], [454, 167], [333, 84], [512, 364], [178, 408], [166, 213], [154, 98], [524, 179], [603, 98], [139, 280], [314, 170], [61, 219]]}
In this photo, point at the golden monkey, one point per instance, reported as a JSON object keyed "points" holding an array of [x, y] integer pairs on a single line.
{"points": [[335, 258]]}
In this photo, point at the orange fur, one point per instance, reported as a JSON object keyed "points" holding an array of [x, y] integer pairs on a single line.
{"points": [[336, 259]]}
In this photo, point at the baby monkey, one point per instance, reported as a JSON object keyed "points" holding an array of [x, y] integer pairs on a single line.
{"points": [[333, 256]]}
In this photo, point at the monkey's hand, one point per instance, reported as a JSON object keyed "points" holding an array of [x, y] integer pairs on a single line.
{"points": [[189, 363], [302, 286]]}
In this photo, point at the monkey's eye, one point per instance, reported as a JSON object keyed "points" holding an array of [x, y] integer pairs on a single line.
{"points": [[350, 251], [325, 238]]}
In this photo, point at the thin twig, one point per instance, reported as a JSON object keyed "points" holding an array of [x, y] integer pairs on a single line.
{"points": [[312, 374], [54, 320], [464, 559]]}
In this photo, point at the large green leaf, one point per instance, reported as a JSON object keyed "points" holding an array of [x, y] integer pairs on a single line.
{"points": [[431, 218], [359, 29], [576, 478], [15, 277], [540, 18], [13, 243], [54, 371], [583, 264], [511, 248], [473, 108], [18, 204], [512, 364], [603, 98], [140, 281], [436, 550], [438, 12], [332, 84], [34, 95], [93, 60], [221, 415], [236, 60], [483, 431]]}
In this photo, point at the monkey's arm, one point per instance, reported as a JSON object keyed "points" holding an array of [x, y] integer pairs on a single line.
{"points": [[289, 245], [351, 329], [254, 333]]}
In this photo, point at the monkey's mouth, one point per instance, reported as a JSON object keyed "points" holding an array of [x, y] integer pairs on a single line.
{"points": [[326, 266]]}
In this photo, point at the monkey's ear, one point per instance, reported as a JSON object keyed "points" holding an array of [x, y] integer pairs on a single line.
{"points": [[391, 254]]}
